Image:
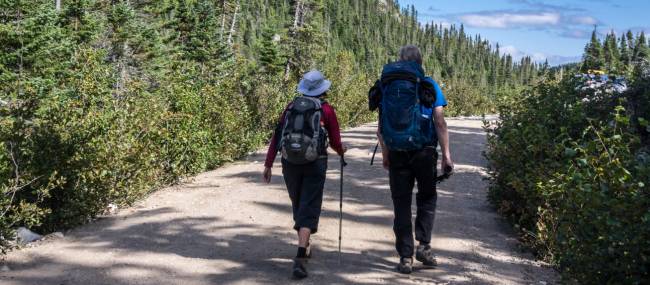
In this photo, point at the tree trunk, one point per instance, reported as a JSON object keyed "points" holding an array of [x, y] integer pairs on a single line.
{"points": [[223, 19], [232, 25], [297, 20], [58, 5]]}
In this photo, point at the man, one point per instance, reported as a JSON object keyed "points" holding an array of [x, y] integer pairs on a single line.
{"points": [[304, 157], [415, 162]]}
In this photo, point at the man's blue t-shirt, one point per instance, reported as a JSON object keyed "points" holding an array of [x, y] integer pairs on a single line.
{"points": [[440, 98]]}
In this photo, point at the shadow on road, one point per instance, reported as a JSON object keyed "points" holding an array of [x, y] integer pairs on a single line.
{"points": [[472, 244]]}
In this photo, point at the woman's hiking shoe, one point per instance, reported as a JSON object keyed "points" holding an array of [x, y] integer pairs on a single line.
{"points": [[299, 270], [424, 254], [405, 265]]}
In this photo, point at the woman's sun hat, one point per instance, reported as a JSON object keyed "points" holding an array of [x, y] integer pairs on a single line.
{"points": [[313, 84]]}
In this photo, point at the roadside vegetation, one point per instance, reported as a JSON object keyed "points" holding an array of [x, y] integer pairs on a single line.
{"points": [[570, 165], [102, 102]]}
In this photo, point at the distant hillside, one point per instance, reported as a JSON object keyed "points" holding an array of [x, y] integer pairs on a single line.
{"points": [[373, 31]]}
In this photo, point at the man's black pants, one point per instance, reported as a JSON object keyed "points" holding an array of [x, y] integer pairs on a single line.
{"points": [[305, 185], [406, 168]]}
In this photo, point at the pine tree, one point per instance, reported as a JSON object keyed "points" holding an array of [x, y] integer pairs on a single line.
{"points": [[593, 57], [630, 40], [611, 54], [626, 55], [270, 57], [641, 50], [306, 40], [151, 91]]}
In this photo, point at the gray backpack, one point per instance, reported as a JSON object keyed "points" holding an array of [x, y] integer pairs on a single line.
{"points": [[303, 139]]}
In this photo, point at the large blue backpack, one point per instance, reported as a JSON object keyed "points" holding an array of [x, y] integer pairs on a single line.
{"points": [[406, 121]]}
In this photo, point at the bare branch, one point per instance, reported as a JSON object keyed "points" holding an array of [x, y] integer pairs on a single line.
{"points": [[16, 187], [232, 25], [297, 21]]}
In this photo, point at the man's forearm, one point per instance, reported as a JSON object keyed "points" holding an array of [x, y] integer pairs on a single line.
{"points": [[384, 151], [443, 138]]}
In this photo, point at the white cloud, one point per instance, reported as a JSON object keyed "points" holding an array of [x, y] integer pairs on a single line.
{"points": [[505, 20], [584, 20], [575, 33], [565, 23], [538, 57], [444, 24], [555, 60], [511, 50]]}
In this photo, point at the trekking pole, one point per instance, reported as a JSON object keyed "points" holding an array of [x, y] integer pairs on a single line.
{"points": [[343, 164], [372, 160], [448, 171]]}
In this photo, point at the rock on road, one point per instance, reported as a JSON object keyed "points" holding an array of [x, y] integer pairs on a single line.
{"points": [[226, 227]]}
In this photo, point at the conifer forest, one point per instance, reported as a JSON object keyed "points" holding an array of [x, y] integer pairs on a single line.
{"points": [[105, 101]]}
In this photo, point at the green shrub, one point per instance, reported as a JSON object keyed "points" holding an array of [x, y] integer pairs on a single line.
{"points": [[571, 170], [104, 101]]}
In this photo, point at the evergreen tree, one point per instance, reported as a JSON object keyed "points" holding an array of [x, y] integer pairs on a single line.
{"points": [[612, 54], [306, 40], [641, 51], [630, 40], [593, 57], [270, 57], [104, 100], [626, 55]]}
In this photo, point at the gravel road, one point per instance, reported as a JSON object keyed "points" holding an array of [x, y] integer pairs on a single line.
{"points": [[225, 227]]}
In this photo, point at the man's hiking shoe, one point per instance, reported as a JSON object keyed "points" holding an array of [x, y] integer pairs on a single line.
{"points": [[299, 270], [405, 265], [424, 254]]}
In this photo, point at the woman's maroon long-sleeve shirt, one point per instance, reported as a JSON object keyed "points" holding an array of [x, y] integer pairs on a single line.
{"points": [[329, 121]]}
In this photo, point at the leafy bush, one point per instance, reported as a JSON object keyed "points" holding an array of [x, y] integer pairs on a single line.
{"points": [[104, 101], [110, 123], [571, 170]]}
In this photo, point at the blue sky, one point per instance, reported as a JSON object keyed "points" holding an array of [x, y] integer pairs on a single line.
{"points": [[556, 30]]}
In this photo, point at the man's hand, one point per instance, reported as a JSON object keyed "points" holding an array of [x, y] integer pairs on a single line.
{"points": [[266, 174], [447, 165]]}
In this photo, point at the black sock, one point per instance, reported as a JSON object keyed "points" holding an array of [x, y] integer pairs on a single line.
{"points": [[302, 252], [425, 244]]}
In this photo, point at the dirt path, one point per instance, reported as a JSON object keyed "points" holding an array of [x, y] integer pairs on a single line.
{"points": [[228, 228]]}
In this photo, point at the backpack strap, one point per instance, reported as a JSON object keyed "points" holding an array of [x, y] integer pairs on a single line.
{"points": [[283, 125], [429, 92], [387, 79], [374, 95], [407, 76], [318, 101]]}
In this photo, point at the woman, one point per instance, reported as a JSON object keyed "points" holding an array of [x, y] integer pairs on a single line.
{"points": [[304, 173]]}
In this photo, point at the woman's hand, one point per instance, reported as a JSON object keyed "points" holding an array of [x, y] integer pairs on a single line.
{"points": [[344, 149], [267, 174]]}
